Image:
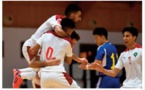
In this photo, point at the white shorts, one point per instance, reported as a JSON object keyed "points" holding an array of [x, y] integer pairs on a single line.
{"points": [[50, 79], [26, 46]]}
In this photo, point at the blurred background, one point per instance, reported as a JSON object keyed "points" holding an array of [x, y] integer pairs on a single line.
{"points": [[22, 18]]}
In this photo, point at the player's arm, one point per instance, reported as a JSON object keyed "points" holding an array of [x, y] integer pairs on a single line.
{"points": [[98, 67], [55, 23], [59, 31], [34, 49], [39, 64], [118, 67], [68, 60], [79, 60]]}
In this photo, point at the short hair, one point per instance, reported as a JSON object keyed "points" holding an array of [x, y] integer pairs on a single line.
{"points": [[132, 30], [67, 23], [100, 31], [75, 35], [72, 8]]}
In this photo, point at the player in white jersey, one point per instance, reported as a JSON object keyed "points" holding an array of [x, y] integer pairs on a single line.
{"points": [[73, 12], [74, 37], [61, 48], [131, 59]]}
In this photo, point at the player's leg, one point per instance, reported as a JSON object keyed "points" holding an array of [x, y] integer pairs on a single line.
{"points": [[20, 74], [57, 80], [36, 82], [68, 79], [27, 73]]}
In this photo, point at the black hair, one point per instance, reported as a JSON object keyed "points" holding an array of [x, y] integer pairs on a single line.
{"points": [[72, 8], [67, 23], [132, 30], [74, 35], [100, 31]]}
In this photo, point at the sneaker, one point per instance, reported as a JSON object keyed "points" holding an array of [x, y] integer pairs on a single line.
{"points": [[17, 78]]}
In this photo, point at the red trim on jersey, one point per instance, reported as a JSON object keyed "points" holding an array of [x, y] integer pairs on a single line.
{"points": [[60, 17], [31, 56], [37, 86], [69, 40], [65, 38], [68, 78], [136, 46], [40, 51]]}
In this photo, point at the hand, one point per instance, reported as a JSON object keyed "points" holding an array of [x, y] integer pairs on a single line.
{"points": [[96, 66], [83, 61], [83, 66], [53, 61]]}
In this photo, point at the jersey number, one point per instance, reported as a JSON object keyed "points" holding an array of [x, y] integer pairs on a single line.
{"points": [[113, 60], [49, 53]]}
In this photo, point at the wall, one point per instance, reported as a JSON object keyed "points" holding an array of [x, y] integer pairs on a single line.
{"points": [[114, 15], [12, 50]]}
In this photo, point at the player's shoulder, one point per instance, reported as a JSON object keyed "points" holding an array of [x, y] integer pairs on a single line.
{"points": [[69, 40], [138, 46], [57, 16], [49, 32]]}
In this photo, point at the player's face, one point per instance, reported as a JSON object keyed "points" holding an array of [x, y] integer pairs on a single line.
{"points": [[128, 39], [69, 31], [98, 39], [76, 17], [74, 41]]}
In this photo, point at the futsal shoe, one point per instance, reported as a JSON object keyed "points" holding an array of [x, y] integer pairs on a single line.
{"points": [[17, 80]]}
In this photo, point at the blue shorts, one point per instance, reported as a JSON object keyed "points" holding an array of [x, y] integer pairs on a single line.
{"points": [[109, 82]]}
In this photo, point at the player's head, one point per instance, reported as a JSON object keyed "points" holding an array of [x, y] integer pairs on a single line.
{"points": [[129, 35], [68, 25], [73, 12], [75, 37], [100, 35]]}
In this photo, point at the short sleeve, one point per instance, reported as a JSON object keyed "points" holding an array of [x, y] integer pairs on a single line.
{"points": [[69, 50], [100, 53], [53, 21]]}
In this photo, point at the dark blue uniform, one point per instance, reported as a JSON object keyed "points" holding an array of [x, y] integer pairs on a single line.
{"points": [[107, 53]]}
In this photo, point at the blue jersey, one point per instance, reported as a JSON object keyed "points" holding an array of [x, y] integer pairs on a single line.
{"points": [[107, 53]]}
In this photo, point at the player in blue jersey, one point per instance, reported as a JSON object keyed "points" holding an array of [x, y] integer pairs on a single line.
{"points": [[107, 56]]}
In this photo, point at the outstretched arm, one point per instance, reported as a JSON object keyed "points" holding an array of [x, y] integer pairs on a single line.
{"points": [[98, 67], [80, 60]]}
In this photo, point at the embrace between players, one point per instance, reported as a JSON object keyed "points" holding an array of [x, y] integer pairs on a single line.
{"points": [[51, 46]]}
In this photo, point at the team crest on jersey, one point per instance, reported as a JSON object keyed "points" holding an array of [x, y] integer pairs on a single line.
{"points": [[135, 54]]}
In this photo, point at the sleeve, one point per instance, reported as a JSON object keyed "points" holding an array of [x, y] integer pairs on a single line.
{"points": [[40, 40], [53, 21], [100, 54], [46, 26], [69, 51], [120, 64]]}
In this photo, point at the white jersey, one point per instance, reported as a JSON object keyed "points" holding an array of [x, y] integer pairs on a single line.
{"points": [[47, 25], [132, 61], [54, 46]]}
